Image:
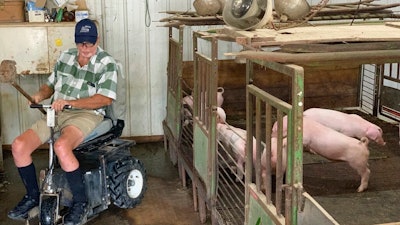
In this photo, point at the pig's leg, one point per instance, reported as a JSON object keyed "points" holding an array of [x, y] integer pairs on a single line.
{"points": [[360, 164], [364, 172], [239, 169]]}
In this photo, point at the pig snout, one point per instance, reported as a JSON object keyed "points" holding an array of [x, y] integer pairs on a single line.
{"points": [[375, 133]]}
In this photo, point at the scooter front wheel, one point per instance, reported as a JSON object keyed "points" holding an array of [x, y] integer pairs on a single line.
{"points": [[48, 208], [127, 182]]}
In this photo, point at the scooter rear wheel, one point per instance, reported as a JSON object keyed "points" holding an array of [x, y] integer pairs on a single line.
{"points": [[127, 182], [48, 212]]}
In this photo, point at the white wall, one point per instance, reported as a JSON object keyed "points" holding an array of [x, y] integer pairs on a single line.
{"points": [[142, 46], [143, 51]]}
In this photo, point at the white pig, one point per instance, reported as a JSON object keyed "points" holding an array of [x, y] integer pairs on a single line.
{"points": [[274, 158], [333, 145], [187, 108], [188, 100], [351, 125], [274, 155], [234, 140], [221, 115]]}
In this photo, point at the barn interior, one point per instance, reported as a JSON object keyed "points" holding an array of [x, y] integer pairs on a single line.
{"points": [[338, 74], [341, 56]]}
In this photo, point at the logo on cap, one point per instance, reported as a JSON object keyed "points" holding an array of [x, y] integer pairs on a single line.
{"points": [[85, 29]]}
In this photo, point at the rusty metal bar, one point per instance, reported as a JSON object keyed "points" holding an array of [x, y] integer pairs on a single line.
{"points": [[361, 57], [268, 170]]}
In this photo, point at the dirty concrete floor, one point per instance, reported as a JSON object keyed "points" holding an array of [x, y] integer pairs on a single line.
{"points": [[166, 202]]}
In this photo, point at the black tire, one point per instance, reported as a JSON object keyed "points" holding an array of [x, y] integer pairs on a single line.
{"points": [[48, 212], [127, 182]]}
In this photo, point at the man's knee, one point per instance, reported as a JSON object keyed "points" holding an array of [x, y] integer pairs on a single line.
{"points": [[17, 146], [25, 144]]}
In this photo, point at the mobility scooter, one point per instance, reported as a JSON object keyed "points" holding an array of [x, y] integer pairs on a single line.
{"points": [[111, 173]]}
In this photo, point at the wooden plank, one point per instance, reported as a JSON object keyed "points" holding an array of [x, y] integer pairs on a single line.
{"points": [[393, 24], [319, 34], [345, 47]]}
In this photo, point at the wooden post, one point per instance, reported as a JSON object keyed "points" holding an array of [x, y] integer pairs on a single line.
{"points": [[1, 142]]}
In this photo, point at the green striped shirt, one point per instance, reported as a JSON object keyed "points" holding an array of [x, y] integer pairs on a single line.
{"points": [[70, 81]]}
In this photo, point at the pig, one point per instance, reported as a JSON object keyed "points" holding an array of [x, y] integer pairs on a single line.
{"points": [[188, 100], [274, 155], [234, 140], [333, 145], [220, 97], [221, 115], [274, 159], [351, 125], [187, 107]]}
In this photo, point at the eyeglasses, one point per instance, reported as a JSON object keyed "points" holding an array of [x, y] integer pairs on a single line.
{"points": [[86, 44]]}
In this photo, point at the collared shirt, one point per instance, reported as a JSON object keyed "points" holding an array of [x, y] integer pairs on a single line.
{"points": [[70, 81]]}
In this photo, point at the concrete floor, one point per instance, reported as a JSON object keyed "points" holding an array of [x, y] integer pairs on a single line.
{"points": [[166, 202]]}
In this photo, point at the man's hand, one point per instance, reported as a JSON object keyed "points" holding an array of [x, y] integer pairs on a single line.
{"points": [[58, 105]]}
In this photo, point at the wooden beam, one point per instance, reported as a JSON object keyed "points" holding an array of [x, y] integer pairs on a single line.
{"points": [[341, 47]]}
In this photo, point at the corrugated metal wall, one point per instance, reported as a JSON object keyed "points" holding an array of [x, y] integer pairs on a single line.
{"points": [[131, 36]]}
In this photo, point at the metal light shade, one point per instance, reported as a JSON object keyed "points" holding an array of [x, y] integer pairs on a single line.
{"points": [[247, 14], [293, 9]]}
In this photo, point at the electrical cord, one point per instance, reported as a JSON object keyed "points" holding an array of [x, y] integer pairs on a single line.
{"points": [[147, 17]]}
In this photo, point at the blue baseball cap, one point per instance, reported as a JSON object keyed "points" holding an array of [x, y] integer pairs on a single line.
{"points": [[86, 31]]}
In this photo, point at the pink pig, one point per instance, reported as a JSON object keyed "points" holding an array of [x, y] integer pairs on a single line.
{"points": [[274, 159], [274, 155], [351, 125], [234, 139], [333, 145]]}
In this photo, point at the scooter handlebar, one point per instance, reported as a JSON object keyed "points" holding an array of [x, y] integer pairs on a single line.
{"points": [[41, 106]]}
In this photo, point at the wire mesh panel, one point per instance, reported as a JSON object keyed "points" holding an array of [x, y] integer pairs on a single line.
{"points": [[230, 199]]}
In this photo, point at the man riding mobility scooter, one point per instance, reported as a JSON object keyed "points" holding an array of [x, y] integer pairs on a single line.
{"points": [[111, 173]]}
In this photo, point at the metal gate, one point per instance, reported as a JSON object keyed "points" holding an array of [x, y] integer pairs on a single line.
{"points": [[214, 163], [280, 204]]}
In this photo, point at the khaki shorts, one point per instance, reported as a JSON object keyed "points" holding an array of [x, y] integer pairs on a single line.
{"points": [[84, 120]]}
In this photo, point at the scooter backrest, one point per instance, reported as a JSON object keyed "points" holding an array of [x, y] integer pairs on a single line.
{"points": [[116, 111]]}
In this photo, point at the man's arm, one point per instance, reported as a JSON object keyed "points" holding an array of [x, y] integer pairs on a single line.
{"points": [[44, 92], [94, 102]]}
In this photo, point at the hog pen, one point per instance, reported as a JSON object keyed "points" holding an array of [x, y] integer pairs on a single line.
{"points": [[304, 73]]}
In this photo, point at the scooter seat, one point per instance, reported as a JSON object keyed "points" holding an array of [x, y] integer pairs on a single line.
{"points": [[101, 129]]}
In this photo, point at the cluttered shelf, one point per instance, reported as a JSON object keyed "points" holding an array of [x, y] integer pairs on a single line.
{"points": [[36, 24], [42, 11]]}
